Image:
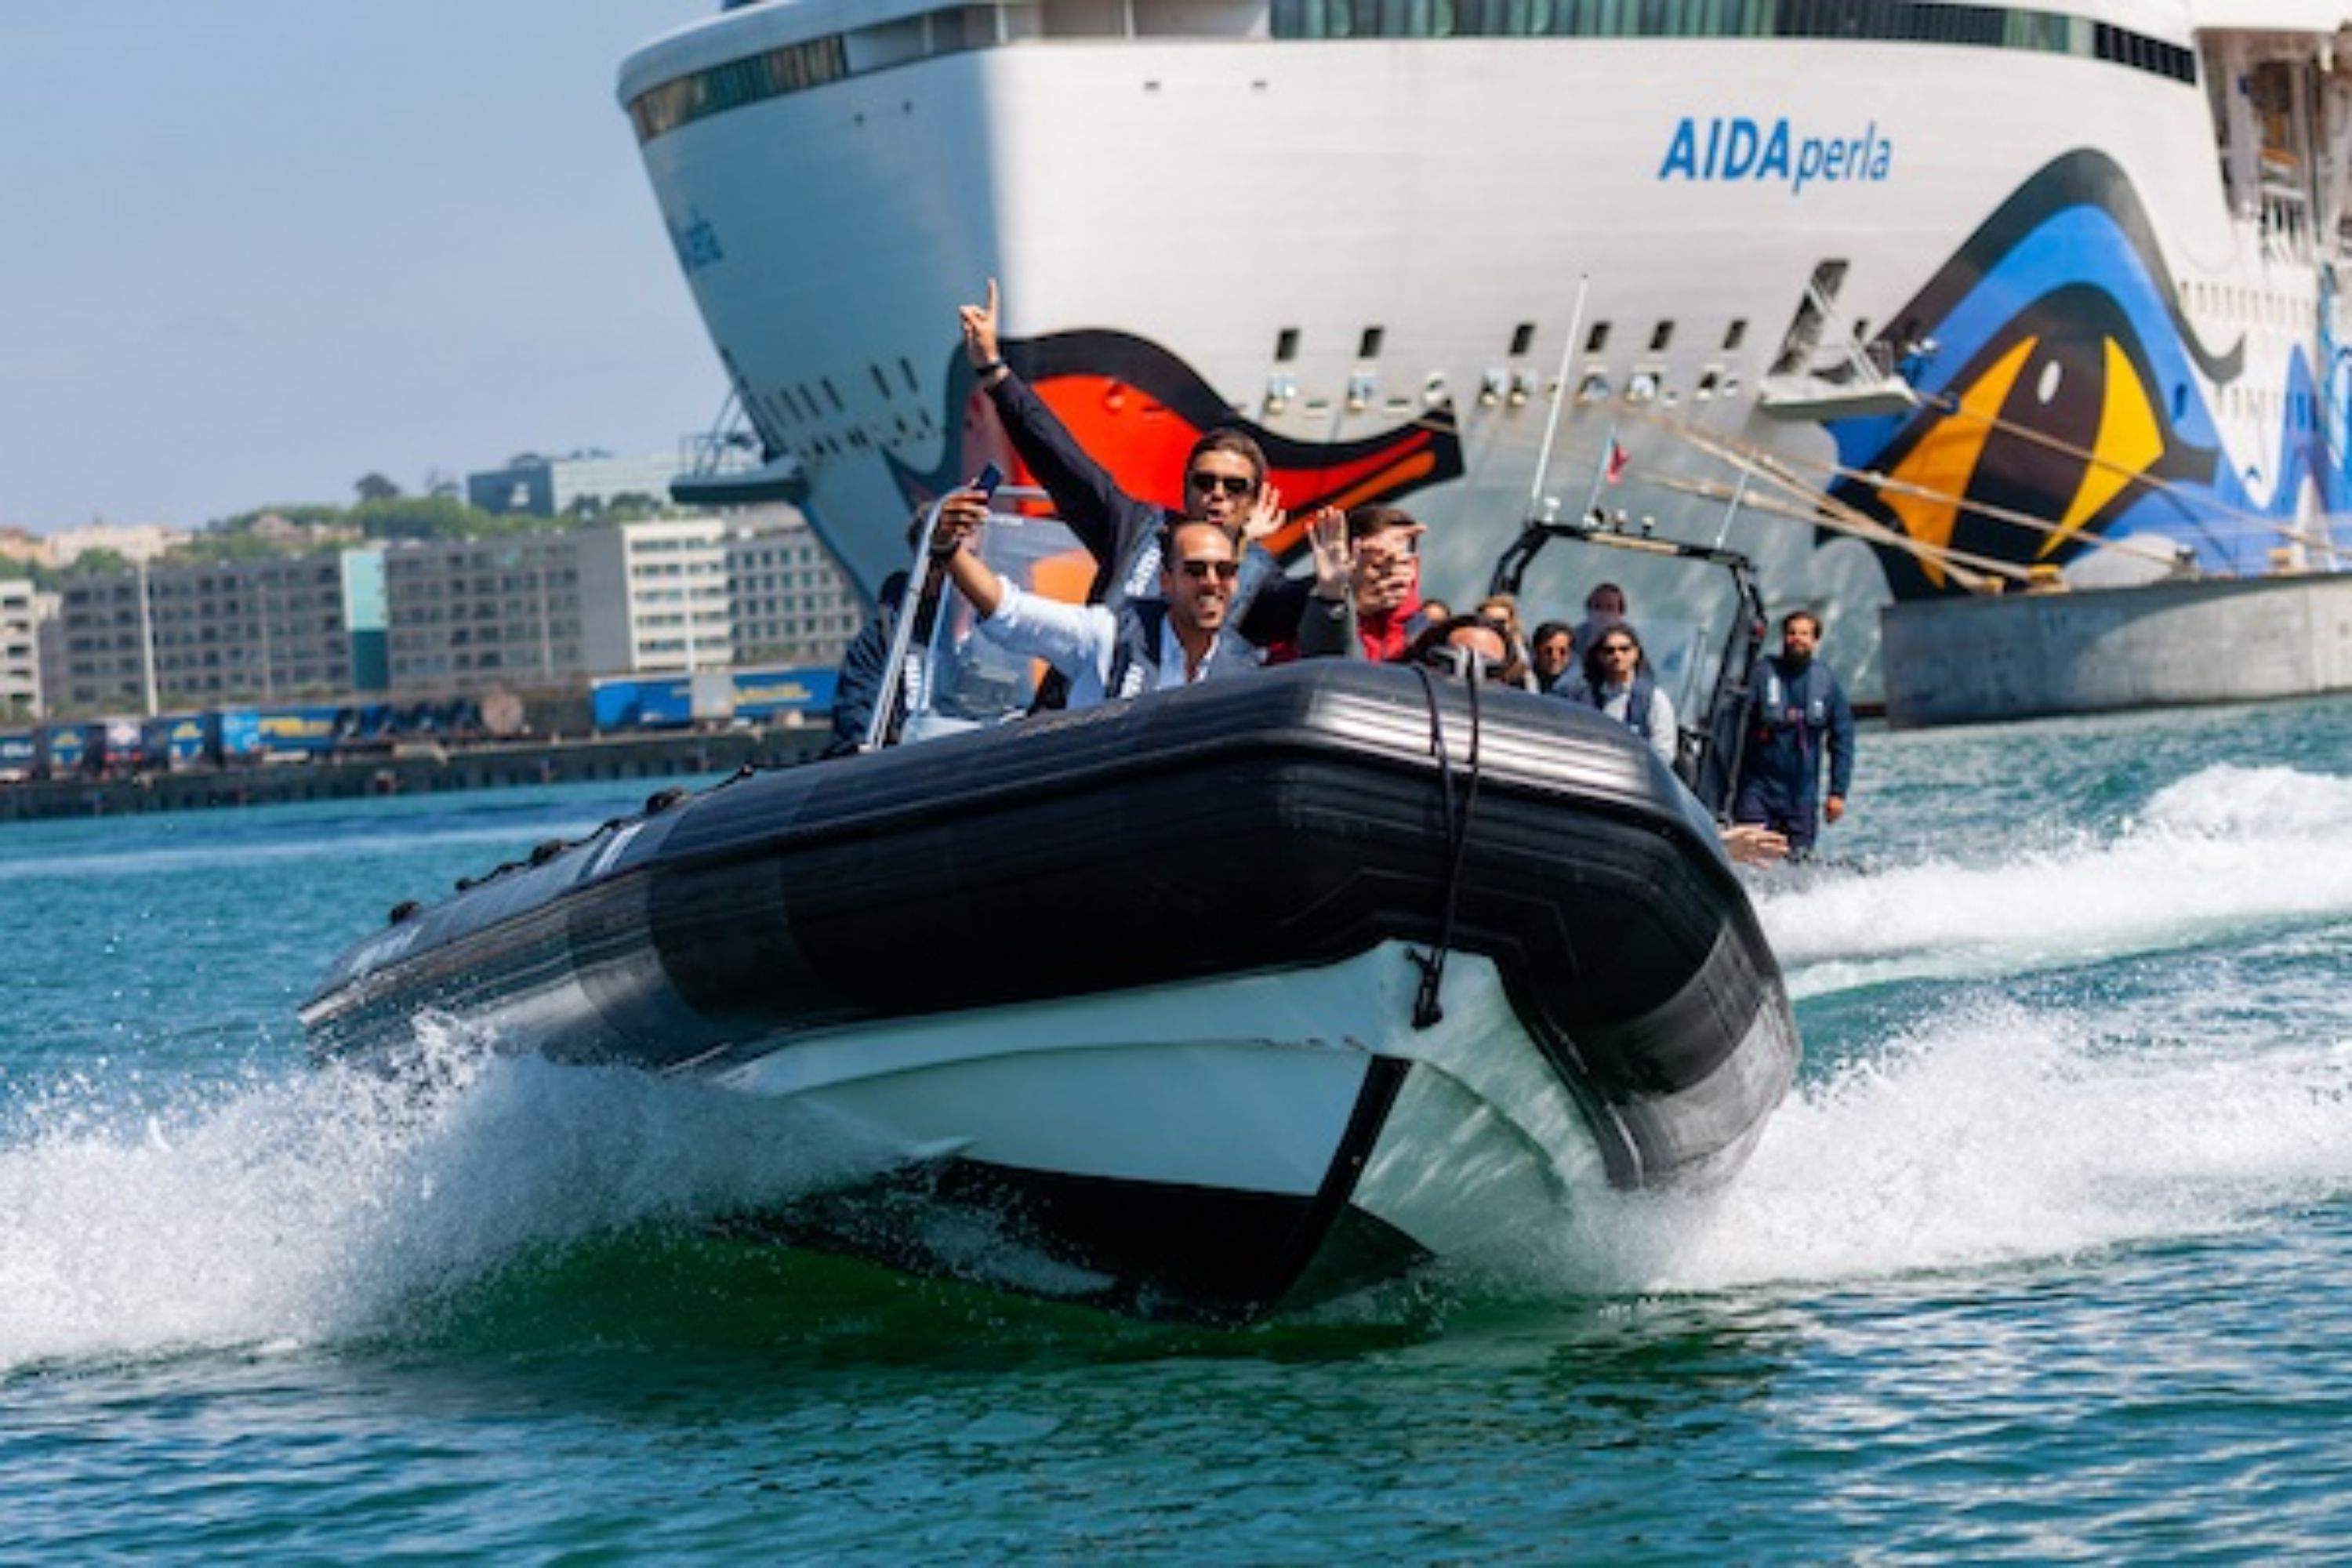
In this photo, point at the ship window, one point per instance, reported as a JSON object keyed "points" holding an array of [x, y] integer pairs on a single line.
{"points": [[1369, 346], [906, 374], [881, 382], [833, 397], [1523, 337], [1660, 336], [1596, 338], [1285, 345], [1734, 334]]}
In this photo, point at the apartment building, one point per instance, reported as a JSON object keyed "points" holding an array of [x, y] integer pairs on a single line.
{"points": [[467, 614], [273, 629], [548, 609], [654, 597], [20, 651], [790, 604]]}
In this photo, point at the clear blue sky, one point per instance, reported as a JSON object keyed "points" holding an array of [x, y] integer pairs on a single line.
{"points": [[257, 248]]}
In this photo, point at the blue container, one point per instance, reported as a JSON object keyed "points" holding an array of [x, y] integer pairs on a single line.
{"points": [[237, 736], [299, 730], [59, 749], [765, 695], [20, 753], [179, 741], [635, 703]]}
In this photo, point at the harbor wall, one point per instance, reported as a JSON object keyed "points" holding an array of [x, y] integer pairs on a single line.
{"points": [[682, 756], [1971, 661]]}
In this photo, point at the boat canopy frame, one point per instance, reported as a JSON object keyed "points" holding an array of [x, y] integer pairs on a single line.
{"points": [[1712, 742]]}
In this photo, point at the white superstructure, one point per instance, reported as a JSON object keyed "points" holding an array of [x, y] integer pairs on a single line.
{"points": [[1898, 297]]}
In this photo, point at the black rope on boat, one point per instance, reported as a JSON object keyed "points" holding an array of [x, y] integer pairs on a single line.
{"points": [[1426, 1009]]}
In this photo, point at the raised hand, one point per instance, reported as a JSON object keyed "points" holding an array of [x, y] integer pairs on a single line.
{"points": [[1335, 555], [1265, 516], [979, 323]]}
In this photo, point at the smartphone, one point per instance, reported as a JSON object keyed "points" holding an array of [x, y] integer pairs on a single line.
{"points": [[987, 479]]}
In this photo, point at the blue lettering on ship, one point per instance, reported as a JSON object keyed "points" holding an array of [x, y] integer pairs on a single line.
{"points": [[697, 243], [1743, 149]]}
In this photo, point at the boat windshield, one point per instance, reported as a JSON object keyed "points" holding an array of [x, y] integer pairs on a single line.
{"points": [[969, 681]]}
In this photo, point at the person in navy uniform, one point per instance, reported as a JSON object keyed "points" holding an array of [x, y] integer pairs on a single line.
{"points": [[1799, 711]]}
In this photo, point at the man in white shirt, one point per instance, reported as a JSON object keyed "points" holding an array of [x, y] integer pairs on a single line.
{"points": [[1146, 645]]}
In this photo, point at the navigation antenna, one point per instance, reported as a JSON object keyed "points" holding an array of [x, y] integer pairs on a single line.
{"points": [[1559, 395]]}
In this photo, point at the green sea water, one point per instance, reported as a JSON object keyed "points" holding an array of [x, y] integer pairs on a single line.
{"points": [[2049, 1257]]}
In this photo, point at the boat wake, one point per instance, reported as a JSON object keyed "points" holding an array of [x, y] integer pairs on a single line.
{"points": [[1995, 1136], [326, 1207], [2224, 851]]}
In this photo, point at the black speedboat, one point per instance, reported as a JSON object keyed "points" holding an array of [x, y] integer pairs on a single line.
{"points": [[1214, 1002]]}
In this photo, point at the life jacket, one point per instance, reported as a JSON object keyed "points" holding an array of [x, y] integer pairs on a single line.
{"points": [[1637, 702], [1785, 705]]}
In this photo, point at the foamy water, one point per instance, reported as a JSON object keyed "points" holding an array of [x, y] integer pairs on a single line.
{"points": [[320, 1206], [2225, 852]]}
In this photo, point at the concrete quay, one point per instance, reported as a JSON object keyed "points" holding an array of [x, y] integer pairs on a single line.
{"points": [[2163, 645], [693, 755]]}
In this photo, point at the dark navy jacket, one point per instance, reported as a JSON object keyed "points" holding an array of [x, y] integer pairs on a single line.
{"points": [[1117, 530], [1794, 718]]}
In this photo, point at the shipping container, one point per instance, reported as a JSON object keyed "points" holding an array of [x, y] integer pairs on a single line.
{"points": [[299, 730], [216, 738], [237, 739], [114, 746], [58, 749], [644, 702], [768, 696]]}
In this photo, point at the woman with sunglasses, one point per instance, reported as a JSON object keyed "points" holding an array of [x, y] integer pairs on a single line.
{"points": [[1617, 680]]}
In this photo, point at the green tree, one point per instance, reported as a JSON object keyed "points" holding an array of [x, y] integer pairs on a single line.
{"points": [[92, 562], [375, 487], [633, 506], [422, 517]]}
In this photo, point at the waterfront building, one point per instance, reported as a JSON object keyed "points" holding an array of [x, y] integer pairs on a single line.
{"points": [[789, 603], [583, 481], [550, 609], [654, 597], [20, 651], [467, 614], [270, 629]]}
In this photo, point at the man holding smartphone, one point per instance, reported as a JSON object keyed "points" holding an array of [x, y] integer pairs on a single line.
{"points": [[1178, 637], [1224, 483]]}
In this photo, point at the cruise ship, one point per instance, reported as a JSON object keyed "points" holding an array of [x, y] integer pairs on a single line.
{"points": [[1896, 298]]}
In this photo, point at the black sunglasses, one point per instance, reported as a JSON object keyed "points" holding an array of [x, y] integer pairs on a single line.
{"points": [[1223, 571], [1209, 484]]}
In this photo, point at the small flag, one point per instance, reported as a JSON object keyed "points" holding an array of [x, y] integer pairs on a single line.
{"points": [[1615, 468]]}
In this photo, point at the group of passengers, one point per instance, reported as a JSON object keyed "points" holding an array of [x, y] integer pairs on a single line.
{"points": [[1178, 597]]}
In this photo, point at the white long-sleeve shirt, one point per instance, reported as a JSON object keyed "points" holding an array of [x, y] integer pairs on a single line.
{"points": [[1082, 641]]}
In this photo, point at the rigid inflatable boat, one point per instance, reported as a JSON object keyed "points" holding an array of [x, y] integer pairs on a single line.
{"points": [[1204, 1006]]}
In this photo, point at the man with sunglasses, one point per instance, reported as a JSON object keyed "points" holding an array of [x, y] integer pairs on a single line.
{"points": [[1148, 643], [1224, 483]]}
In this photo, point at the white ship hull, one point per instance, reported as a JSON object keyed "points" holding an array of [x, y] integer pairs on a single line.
{"points": [[1379, 255]]}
